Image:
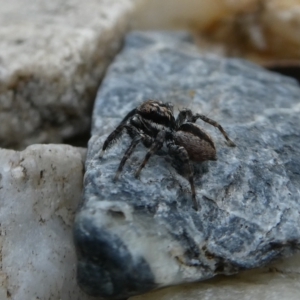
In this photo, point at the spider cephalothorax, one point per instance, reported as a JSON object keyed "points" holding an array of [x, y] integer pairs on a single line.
{"points": [[153, 124]]}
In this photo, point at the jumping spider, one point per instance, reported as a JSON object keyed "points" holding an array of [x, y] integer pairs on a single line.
{"points": [[153, 123]]}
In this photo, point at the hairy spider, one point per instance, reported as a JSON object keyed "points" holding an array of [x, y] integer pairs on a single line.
{"points": [[153, 124]]}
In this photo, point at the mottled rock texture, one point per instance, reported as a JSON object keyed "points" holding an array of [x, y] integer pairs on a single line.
{"points": [[52, 59], [134, 235], [40, 188], [280, 280]]}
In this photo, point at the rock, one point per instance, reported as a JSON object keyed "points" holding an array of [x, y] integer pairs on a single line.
{"points": [[135, 235], [52, 58], [40, 188], [278, 281]]}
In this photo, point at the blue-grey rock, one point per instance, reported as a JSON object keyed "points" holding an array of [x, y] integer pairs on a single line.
{"points": [[136, 235]]}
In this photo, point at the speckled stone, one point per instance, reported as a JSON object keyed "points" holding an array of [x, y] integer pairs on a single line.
{"points": [[136, 235], [53, 56], [40, 188]]}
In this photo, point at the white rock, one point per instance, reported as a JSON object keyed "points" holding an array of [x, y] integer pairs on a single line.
{"points": [[52, 58], [275, 282], [40, 188]]}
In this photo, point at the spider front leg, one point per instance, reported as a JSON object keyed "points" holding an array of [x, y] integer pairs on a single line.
{"points": [[157, 144], [116, 133], [181, 153], [137, 138], [127, 154]]}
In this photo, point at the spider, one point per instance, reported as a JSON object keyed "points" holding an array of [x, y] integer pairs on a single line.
{"points": [[154, 124]]}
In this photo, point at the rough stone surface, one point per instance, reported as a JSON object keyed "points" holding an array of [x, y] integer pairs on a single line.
{"points": [[135, 235], [280, 280], [52, 59], [40, 188], [49, 252]]}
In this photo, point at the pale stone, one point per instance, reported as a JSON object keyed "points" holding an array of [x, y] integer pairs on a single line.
{"points": [[52, 57], [279, 281], [40, 188]]}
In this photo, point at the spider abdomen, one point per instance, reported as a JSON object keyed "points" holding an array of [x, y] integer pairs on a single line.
{"points": [[196, 142]]}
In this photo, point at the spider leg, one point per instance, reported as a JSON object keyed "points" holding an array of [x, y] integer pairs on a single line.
{"points": [[127, 154], [181, 153], [111, 139], [138, 137], [215, 124], [156, 145], [186, 115]]}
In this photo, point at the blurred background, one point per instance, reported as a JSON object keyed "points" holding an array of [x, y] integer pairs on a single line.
{"points": [[264, 31]]}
